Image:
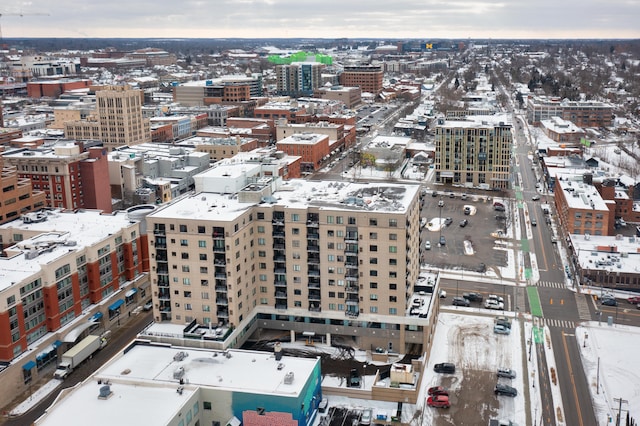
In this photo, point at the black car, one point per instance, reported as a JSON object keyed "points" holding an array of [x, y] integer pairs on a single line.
{"points": [[448, 221], [463, 223], [459, 301], [505, 390], [445, 367], [434, 194], [506, 373], [472, 297], [609, 301]]}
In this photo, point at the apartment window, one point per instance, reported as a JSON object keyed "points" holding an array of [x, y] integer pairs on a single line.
{"points": [[295, 231], [184, 243], [263, 289], [202, 244], [295, 217], [373, 222], [330, 233], [263, 277], [203, 256], [201, 230], [393, 223], [393, 249], [204, 283], [186, 281], [373, 273], [373, 309], [261, 242], [332, 270], [262, 253], [393, 261], [373, 285], [295, 243], [330, 219], [184, 255], [260, 215], [260, 229], [331, 258], [185, 268], [339, 220], [393, 299], [297, 292], [373, 261], [393, 237], [393, 311], [183, 228], [351, 220], [373, 248], [330, 246], [373, 235], [204, 270], [373, 296]]}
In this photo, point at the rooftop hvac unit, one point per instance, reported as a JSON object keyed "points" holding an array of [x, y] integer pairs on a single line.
{"points": [[288, 378], [31, 254], [105, 392], [178, 373], [180, 356]]}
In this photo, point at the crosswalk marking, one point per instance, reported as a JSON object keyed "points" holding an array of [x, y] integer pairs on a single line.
{"points": [[583, 307], [550, 322], [552, 284]]}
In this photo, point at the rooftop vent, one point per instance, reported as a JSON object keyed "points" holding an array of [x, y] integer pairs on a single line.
{"points": [[180, 356], [105, 392], [288, 378]]}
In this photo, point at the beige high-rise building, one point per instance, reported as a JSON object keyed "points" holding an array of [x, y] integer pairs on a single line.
{"points": [[474, 151], [343, 249], [118, 120]]}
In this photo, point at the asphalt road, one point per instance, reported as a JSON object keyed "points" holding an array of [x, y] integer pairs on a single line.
{"points": [[120, 338]]}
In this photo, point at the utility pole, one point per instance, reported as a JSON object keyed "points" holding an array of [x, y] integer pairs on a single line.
{"points": [[619, 415]]}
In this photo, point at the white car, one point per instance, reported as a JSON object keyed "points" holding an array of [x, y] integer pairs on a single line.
{"points": [[494, 305], [427, 245]]}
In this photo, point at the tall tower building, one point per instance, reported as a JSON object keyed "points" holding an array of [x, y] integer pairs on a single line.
{"points": [[120, 114], [299, 78], [118, 120]]}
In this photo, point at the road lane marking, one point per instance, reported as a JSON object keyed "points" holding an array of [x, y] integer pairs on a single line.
{"points": [[573, 382]]}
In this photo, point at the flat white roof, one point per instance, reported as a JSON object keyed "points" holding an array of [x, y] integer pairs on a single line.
{"points": [[582, 196], [298, 193], [607, 253], [233, 370]]}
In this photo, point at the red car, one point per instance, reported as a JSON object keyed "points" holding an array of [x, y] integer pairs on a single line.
{"points": [[438, 390], [439, 401], [634, 300]]}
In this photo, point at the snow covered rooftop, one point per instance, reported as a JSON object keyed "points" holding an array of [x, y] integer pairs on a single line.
{"points": [[582, 196]]}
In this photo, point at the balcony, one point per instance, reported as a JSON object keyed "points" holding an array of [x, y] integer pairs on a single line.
{"points": [[281, 306], [222, 301], [221, 288], [278, 246], [281, 271], [220, 276], [278, 234], [218, 249], [314, 307], [313, 273], [281, 294], [314, 295], [313, 285], [279, 258], [222, 314], [313, 259], [313, 248], [280, 284], [352, 289], [313, 236]]}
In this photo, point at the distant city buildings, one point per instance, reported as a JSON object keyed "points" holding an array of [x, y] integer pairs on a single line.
{"points": [[18, 195], [367, 77], [298, 78]]}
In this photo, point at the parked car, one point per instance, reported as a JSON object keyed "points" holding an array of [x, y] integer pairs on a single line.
{"points": [[503, 321], [442, 294], [367, 414], [493, 304], [452, 195], [448, 221], [472, 297], [501, 329], [494, 422], [440, 203], [148, 306], [440, 401], [438, 390], [427, 245], [609, 301], [459, 301], [634, 300], [535, 198], [463, 223], [442, 240], [434, 194], [506, 373], [423, 222], [463, 196], [505, 390], [445, 368], [467, 210], [496, 298], [534, 222]]}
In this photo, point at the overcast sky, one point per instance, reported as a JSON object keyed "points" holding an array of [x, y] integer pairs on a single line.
{"points": [[323, 19]]}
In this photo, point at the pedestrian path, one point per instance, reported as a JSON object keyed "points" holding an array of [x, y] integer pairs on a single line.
{"points": [[551, 284], [559, 323], [583, 306]]}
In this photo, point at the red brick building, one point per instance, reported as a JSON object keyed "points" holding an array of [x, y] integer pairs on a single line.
{"points": [[54, 88], [368, 78], [313, 148]]}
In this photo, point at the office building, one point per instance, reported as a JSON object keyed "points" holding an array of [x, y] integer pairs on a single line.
{"points": [[580, 113], [474, 152], [367, 77], [581, 210], [118, 120]]}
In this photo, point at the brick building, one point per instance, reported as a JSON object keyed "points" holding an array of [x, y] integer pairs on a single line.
{"points": [[18, 195], [367, 77]]}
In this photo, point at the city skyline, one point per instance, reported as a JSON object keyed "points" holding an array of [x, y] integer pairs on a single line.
{"points": [[329, 19]]}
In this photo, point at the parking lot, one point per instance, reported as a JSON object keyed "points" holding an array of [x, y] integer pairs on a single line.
{"points": [[469, 247]]}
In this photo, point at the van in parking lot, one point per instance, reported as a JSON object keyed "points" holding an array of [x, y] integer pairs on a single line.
{"points": [[322, 407]]}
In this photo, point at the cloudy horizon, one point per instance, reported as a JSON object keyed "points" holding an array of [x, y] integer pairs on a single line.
{"points": [[330, 19]]}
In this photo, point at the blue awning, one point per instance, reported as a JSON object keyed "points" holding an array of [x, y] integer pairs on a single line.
{"points": [[131, 292], [95, 317], [29, 365], [115, 305], [57, 344]]}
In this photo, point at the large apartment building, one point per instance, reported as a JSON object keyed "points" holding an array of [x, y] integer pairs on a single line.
{"points": [[580, 113], [581, 209], [331, 247], [299, 78], [227, 89], [71, 179], [118, 120], [475, 151]]}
